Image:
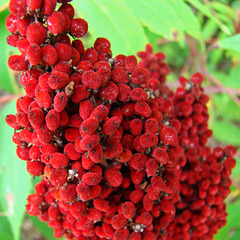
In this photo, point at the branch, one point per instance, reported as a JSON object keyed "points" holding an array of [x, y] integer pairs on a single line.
{"points": [[186, 65], [219, 84], [204, 68], [236, 20], [222, 90]]}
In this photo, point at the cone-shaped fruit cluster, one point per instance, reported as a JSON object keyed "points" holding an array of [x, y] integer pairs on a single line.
{"points": [[113, 144]]}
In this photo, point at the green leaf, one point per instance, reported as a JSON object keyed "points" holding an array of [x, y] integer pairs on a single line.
{"points": [[209, 29], [230, 43], [152, 39], [226, 132], [15, 182], [115, 21], [170, 19], [228, 21], [186, 16], [7, 81], [207, 12], [153, 17], [223, 8], [235, 5], [225, 107], [43, 228], [5, 228], [233, 79]]}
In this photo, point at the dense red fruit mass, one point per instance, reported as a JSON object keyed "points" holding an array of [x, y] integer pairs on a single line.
{"points": [[121, 155]]}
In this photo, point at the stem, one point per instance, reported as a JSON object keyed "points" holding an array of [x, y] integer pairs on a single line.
{"points": [[163, 41], [237, 155], [9, 98], [186, 66], [2, 8], [104, 163]]}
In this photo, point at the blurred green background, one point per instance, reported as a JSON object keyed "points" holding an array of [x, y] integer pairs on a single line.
{"points": [[196, 36]]}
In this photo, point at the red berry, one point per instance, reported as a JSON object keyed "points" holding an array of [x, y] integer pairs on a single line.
{"points": [[53, 119], [160, 154], [17, 63], [113, 177], [119, 75], [89, 126], [35, 168], [91, 178], [49, 55], [91, 79], [60, 101], [111, 125], [67, 9], [139, 76], [64, 51], [168, 135], [49, 6], [58, 80], [56, 23], [18, 8], [109, 92], [59, 160], [118, 221], [36, 33], [102, 45], [11, 23], [34, 5], [78, 27]]}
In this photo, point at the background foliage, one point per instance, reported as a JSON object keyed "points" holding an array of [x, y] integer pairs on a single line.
{"points": [[196, 36]]}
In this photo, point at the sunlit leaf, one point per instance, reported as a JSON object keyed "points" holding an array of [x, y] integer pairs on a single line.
{"points": [[171, 18], [222, 8], [204, 9], [225, 107], [230, 43], [115, 21], [226, 132], [233, 78]]}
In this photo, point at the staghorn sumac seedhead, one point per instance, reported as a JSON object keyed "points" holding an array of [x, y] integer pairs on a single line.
{"points": [[121, 156]]}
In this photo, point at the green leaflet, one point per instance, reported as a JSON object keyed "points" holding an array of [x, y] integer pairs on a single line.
{"points": [[15, 182]]}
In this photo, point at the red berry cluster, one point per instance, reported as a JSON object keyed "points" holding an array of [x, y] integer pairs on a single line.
{"points": [[201, 210], [204, 176], [154, 63], [113, 144], [158, 69]]}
